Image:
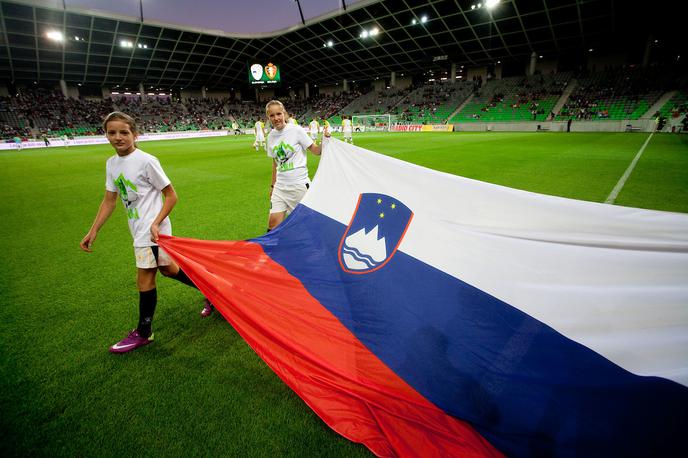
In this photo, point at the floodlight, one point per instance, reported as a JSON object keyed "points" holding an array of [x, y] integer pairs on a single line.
{"points": [[324, 45], [414, 22], [472, 7], [374, 31], [364, 34], [55, 35], [590, 50], [330, 43], [489, 4], [424, 19]]}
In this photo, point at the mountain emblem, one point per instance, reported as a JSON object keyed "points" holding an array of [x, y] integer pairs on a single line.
{"points": [[376, 229]]}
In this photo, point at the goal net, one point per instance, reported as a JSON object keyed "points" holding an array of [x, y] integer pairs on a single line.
{"points": [[371, 123]]}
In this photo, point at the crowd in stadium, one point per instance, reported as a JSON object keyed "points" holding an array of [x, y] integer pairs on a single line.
{"points": [[612, 93]]}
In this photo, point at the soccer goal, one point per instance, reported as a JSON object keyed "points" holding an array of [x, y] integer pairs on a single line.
{"points": [[372, 123]]}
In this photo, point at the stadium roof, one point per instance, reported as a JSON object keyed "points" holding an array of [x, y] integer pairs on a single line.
{"points": [[163, 55]]}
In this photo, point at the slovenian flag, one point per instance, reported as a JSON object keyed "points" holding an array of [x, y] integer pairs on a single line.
{"points": [[425, 314]]}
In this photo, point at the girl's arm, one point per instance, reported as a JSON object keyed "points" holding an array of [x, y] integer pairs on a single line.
{"points": [[274, 176], [317, 149], [167, 206], [106, 208]]}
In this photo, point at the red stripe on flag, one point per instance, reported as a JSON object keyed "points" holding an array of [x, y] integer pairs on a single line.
{"points": [[346, 385]]}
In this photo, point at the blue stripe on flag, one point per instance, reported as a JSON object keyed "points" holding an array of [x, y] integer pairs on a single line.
{"points": [[525, 387]]}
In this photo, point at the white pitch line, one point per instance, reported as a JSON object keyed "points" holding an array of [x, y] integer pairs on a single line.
{"points": [[622, 181]]}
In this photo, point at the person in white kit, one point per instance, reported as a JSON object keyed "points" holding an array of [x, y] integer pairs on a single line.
{"points": [[259, 129], [287, 144], [314, 127], [140, 182], [347, 130]]}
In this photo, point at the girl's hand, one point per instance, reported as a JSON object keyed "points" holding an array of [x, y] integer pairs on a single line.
{"points": [[155, 232], [87, 241]]}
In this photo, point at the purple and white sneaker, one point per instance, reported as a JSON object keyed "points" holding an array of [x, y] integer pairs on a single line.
{"points": [[131, 342], [207, 309]]}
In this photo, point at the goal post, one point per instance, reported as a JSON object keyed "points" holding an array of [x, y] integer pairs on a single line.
{"points": [[372, 123]]}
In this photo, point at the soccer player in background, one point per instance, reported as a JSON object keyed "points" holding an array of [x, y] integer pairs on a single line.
{"points": [[314, 127], [287, 144], [347, 129], [259, 129], [326, 127], [140, 182]]}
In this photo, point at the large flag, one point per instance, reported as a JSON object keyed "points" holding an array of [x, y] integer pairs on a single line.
{"points": [[425, 314]]}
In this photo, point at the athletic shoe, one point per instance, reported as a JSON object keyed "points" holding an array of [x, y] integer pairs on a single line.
{"points": [[207, 309], [131, 342]]}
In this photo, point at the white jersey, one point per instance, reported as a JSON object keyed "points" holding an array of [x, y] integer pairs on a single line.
{"points": [[260, 135], [139, 179], [314, 127], [346, 125], [288, 148]]}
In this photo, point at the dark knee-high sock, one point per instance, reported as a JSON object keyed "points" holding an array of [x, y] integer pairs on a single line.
{"points": [[182, 277], [147, 303]]}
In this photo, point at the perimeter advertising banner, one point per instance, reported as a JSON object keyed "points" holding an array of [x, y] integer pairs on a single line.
{"points": [[263, 73], [438, 128]]}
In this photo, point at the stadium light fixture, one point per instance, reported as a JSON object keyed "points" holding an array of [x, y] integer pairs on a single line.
{"points": [[330, 43], [374, 31], [413, 21], [472, 7], [126, 44], [490, 4], [590, 50], [423, 19], [55, 35], [364, 34]]}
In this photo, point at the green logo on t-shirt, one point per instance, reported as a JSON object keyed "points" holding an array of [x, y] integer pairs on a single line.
{"points": [[283, 152], [128, 198]]}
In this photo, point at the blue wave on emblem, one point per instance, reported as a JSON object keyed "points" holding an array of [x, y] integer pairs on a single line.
{"points": [[374, 234]]}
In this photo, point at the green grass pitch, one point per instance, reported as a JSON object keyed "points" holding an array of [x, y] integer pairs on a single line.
{"points": [[199, 389]]}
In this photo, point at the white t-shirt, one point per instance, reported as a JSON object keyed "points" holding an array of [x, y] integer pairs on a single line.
{"points": [[288, 148], [314, 127], [346, 125], [139, 179]]}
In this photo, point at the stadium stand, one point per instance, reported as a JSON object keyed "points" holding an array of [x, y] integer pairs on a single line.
{"points": [[515, 99], [432, 103], [614, 94]]}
